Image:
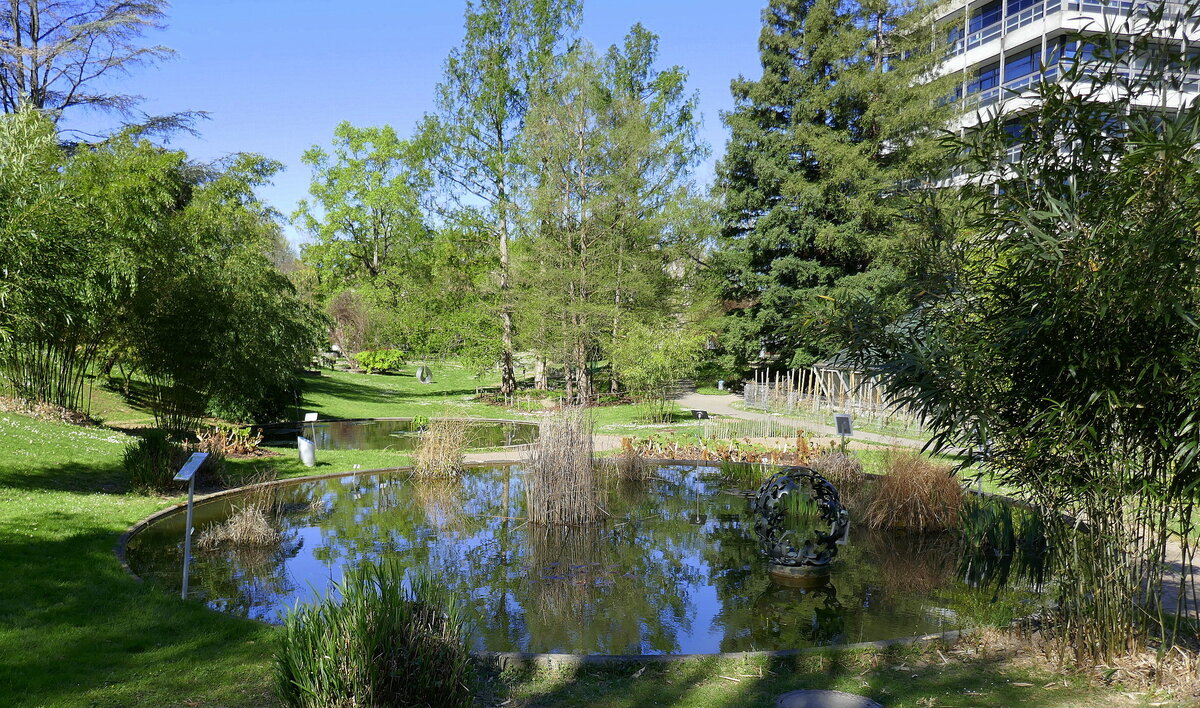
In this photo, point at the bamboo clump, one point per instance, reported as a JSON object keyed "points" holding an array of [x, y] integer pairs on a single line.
{"points": [[561, 487]]}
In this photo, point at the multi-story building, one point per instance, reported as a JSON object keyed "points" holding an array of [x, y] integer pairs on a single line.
{"points": [[998, 48]]}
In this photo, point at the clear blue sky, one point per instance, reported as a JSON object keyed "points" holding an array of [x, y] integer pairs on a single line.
{"points": [[278, 75]]}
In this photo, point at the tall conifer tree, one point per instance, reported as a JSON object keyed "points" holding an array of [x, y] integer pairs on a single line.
{"points": [[821, 148]]}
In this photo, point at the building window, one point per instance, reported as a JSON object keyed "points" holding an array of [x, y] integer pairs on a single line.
{"points": [[1021, 64], [986, 16], [987, 78]]}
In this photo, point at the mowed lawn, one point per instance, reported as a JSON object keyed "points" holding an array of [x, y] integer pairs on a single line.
{"points": [[77, 630]]}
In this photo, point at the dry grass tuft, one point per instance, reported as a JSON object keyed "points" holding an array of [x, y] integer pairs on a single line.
{"points": [[561, 487], [917, 494], [250, 526], [630, 466], [440, 450], [840, 468]]}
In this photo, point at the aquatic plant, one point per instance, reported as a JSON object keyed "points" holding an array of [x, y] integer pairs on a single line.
{"points": [[249, 526], [376, 641], [440, 450], [561, 487], [629, 465], [840, 468], [917, 494]]}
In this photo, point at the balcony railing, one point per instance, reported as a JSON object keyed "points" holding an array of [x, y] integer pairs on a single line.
{"points": [[1115, 7], [984, 35], [982, 99], [1031, 14]]}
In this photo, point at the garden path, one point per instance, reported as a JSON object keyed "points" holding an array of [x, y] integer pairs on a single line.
{"points": [[723, 405]]}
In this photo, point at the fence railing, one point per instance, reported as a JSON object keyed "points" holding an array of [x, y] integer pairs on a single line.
{"points": [[824, 391]]}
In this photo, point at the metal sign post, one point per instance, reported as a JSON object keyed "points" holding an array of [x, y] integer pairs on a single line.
{"points": [[845, 427], [187, 473]]}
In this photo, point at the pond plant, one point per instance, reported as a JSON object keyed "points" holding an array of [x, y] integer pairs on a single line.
{"points": [[562, 485], [440, 448], [380, 640]]}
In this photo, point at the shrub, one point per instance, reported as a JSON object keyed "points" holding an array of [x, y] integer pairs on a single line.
{"points": [[381, 644], [917, 494], [152, 462], [380, 361], [440, 448]]}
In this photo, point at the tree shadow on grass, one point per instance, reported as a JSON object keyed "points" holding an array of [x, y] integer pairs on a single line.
{"points": [[348, 391], [80, 477], [729, 683], [75, 628]]}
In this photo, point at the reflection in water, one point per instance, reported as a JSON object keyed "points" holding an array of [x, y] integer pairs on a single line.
{"points": [[393, 434], [674, 569]]}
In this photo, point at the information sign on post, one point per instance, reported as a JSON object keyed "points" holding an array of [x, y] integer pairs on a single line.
{"points": [[187, 473], [845, 428]]}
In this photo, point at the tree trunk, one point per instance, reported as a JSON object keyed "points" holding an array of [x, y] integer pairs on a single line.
{"points": [[508, 376]]}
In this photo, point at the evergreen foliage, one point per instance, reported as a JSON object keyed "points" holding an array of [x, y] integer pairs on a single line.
{"points": [[607, 154], [482, 103], [821, 147]]}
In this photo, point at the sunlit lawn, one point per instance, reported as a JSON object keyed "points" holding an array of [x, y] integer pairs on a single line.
{"points": [[77, 630]]}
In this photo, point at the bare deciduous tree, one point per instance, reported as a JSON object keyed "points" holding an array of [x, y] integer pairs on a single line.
{"points": [[57, 54]]}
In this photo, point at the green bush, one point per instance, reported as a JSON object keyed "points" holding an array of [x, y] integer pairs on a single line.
{"points": [[152, 462], [381, 644], [380, 361]]}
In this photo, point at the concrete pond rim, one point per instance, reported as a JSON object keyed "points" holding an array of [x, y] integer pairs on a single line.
{"points": [[506, 660]]}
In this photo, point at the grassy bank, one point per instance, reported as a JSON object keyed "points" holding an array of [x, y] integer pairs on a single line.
{"points": [[77, 630]]}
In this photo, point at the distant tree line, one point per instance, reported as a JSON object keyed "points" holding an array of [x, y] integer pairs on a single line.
{"points": [[545, 207]]}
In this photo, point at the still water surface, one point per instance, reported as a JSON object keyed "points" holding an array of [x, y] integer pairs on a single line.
{"points": [[674, 569], [394, 434]]}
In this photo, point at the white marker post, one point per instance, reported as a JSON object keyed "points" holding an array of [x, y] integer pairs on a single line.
{"points": [[307, 445], [187, 473], [845, 427]]}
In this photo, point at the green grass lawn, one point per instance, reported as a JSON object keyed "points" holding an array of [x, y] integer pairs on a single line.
{"points": [[77, 630]]}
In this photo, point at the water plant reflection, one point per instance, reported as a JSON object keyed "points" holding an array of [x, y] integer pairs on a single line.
{"points": [[674, 568]]}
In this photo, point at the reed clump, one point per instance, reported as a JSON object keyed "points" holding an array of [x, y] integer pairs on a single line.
{"points": [[917, 494], [440, 449], [840, 468], [250, 526], [561, 486], [376, 641], [631, 466]]}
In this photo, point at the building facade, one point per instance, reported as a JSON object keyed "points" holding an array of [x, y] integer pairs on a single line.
{"points": [[998, 48]]}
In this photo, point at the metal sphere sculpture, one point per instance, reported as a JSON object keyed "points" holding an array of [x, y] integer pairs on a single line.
{"points": [[780, 544]]}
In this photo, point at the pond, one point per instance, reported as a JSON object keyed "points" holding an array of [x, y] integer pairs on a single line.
{"points": [[674, 569], [394, 434]]}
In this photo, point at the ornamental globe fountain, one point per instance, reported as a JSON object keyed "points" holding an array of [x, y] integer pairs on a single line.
{"points": [[800, 522]]}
